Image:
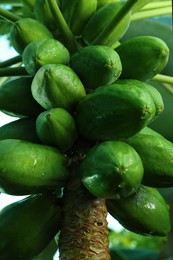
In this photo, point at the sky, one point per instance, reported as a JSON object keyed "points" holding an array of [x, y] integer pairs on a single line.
{"points": [[6, 53]]}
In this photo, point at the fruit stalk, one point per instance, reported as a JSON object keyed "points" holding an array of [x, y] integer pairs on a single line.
{"points": [[66, 34], [84, 232]]}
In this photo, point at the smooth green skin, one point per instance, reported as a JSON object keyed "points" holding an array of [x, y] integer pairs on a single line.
{"points": [[41, 52], [112, 169], [95, 31], [115, 111], [154, 28], [28, 226], [77, 13], [44, 15], [28, 168], [96, 65], [144, 212], [25, 31], [57, 127], [142, 57], [16, 98], [57, 85], [156, 153], [23, 129]]}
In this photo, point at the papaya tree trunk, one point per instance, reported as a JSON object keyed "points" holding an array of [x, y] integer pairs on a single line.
{"points": [[84, 231]]}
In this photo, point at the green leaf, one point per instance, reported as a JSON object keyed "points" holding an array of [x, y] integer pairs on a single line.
{"points": [[5, 26]]}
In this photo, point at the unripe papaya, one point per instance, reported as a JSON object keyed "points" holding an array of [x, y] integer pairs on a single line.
{"points": [[115, 111], [57, 85], [27, 168], [156, 153], [23, 129], [16, 98], [44, 15], [145, 212], [101, 29], [25, 31], [45, 51], [28, 226], [156, 96], [96, 65], [143, 57], [57, 127], [77, 13], [154, 28], [111, 169]]}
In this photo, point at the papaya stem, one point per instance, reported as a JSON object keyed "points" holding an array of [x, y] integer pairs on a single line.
{"points": [[84, 232], [163, 78], [9, 15], [17, 71], [151, 13], [11, 61], [66, 34]]}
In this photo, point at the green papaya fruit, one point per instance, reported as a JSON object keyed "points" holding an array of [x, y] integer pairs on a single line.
{"points": [[28, 168], [16, 98], [28, 226], [154, 28], [25, 31], [156, 96], [57, 127], [111, 169], [23, 129], [115, 111], [156, 153], [145, 212], [77, 13], [45, 51], [100, 28], [96, 65], [57, 85], [44, 15], [142, 57]]}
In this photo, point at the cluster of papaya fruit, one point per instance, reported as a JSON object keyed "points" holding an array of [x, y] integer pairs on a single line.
{"points": [[82, 86]]}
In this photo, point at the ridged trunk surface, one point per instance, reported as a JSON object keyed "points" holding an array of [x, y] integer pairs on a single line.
{"points": [[84, 231]]}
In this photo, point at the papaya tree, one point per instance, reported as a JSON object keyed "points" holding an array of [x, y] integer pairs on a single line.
{"points": [[85, 90]]}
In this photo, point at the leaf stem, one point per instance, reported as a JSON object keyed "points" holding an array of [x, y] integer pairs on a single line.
{"points": [[66, 34], [151, 13], [17, 71], [163, 78], [156, 5], [9, 15], [11, 61]]}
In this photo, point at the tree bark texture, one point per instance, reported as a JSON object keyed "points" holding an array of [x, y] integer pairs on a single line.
{"points": [[84, 231]]}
